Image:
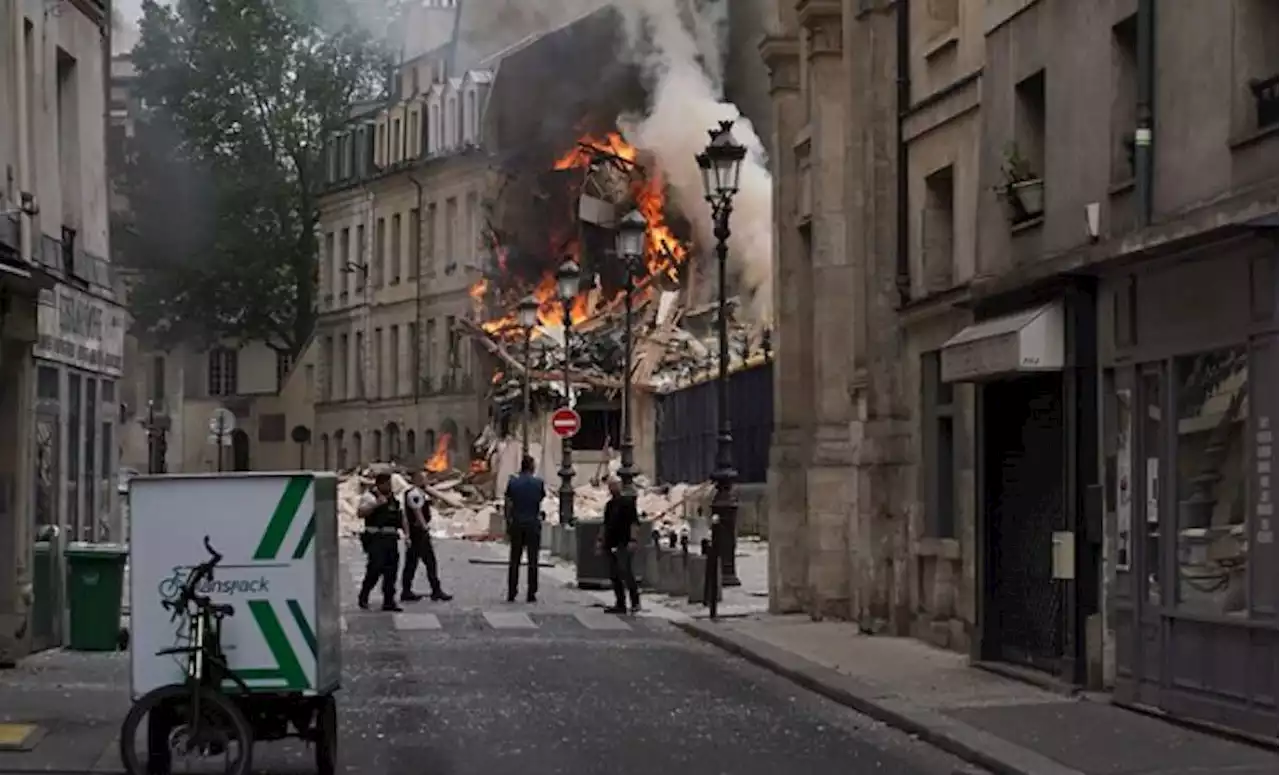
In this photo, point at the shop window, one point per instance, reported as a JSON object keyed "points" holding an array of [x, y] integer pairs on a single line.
{"points": [[1212, 456], [90, 474], [938, 413], [75, 436], [599, 428], [223, 372], [47, 383], [1152, 441]]}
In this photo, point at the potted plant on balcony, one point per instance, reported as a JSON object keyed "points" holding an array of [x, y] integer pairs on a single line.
{"points": [[1022, 189]]}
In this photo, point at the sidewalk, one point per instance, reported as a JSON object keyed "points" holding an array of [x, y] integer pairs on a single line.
{"points": [[60, 712], [998, 723]]}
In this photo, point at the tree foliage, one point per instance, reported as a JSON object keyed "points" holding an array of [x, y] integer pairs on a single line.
{"points": [[224, 168]]}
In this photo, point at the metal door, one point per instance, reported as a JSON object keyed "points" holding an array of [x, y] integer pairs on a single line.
{"points": [[1149, 474], [1024, 464]]}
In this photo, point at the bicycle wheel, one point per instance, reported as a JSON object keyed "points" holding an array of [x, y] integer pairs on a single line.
{"points": [[165, 718], [326, 736]]}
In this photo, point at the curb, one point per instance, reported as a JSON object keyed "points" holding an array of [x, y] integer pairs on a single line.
{"points": [[957, 738]]}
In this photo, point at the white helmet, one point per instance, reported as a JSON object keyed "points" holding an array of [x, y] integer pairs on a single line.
{"points": [[416, 499]]}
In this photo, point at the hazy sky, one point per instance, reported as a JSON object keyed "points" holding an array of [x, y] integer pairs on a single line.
{"points": [[125, 34]]}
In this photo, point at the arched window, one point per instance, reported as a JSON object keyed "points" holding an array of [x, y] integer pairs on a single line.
{"points": [[340, 452], [377, 447], [411, 442], [324, 451], [428, 442], [470, 118], [393, 441], [357, 451]]}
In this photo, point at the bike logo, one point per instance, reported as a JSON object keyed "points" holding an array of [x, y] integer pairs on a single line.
{"points": [[171, 586]]}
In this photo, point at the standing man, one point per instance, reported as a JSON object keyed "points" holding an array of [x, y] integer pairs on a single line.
{"points": [[382, 522], [417, 514], [525, 492], [618, 540]]}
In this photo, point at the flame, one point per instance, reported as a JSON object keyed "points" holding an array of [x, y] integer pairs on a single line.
{"points": [[663, 255], [440, 460], [479, 466]]}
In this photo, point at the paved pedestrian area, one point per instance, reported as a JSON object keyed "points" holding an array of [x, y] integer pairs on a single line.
{"points": [[1005, 725], [477, 686]]}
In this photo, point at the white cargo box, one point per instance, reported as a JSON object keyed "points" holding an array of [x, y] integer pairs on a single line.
{"points": [[278, 536]]}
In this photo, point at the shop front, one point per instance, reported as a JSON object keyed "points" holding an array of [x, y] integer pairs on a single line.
{"points": [[1032, 357], [1189, 388], [79, 355]]}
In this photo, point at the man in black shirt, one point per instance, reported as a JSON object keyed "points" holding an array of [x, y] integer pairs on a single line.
{"points": [[618, 541], [383, 522], [418, 548]]}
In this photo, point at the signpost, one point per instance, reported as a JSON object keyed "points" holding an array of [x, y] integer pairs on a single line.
{"points": [[566, 422], [221, 423]]}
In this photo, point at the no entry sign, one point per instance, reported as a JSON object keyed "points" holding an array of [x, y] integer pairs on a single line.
{"points": [[565, 422]]}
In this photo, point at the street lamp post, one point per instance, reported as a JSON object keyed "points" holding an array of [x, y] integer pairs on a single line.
{"points": [[721, 166], [157, 443], [528, 318], [567, 278], [630, 249]]}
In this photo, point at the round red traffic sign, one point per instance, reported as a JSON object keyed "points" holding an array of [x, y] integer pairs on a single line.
{"points": [[565, 422]]}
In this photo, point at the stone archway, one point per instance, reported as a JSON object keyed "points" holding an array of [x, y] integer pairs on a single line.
{"points": [[357, 450], [339, 451], [410, 443], [239, 450], [393, 442]]}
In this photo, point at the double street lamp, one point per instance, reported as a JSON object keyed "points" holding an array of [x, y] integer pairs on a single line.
{"points": [[721, 168], [630, 249], [567, 279], [527, 317]]}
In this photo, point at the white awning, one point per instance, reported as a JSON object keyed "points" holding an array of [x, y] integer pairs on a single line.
{"points": [[1027, 341]]}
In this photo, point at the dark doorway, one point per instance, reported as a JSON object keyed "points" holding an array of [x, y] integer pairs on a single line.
{"points": [[239, 450], [1024, 472]]}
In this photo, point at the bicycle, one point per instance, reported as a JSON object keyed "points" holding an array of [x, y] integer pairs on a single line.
{"points": [[196, 716]]}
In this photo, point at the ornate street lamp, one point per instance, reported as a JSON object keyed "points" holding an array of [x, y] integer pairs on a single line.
{"points": [[567, 279], [721, 167], [527, 316], [630, 249]]}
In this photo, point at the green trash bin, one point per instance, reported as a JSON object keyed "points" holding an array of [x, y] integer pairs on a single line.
{"points": [[95, 586]]}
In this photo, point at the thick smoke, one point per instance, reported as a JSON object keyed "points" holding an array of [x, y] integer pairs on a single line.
{"points": [[680, 44]]}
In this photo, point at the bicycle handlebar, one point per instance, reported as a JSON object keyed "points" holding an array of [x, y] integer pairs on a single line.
{"points": [[202, 572]]}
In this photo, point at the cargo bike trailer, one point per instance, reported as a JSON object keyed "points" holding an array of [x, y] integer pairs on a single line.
{"points": [[257, 648]]}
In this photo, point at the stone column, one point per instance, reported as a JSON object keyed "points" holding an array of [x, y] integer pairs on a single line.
{"points": [[831, 492], [788, 566], [17, 417], [879, 547]]}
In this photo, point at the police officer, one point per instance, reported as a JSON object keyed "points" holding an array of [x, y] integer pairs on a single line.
{"points": [[383, 521], [418, 548]]}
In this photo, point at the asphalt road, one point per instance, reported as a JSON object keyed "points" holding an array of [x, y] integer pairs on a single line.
{"points": [[478, 686]]}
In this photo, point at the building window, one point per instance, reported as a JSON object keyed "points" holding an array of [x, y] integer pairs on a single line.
{"points": [[271, 428], [451, 374], [341, 368], [429, 366], [324, 451], [357, 449], [1211, 465], [223, 368], [450, 232], [1029, 122], [398, 152], [1254, 63], [362, 264], [939, 458], [1124, 98], [415, 349], [430, 247], [411, 442], [415, 248], [340, 451], [359, 366], [376, 453], [379, 250], [379, 359], [937, 231], [344, 259], [396, 236], [157, 379], [393, 361], [327, 370], [284, 362]]}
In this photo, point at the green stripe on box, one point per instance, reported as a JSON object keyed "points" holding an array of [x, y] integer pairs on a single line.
{"points": [[288, 668], [308, 535], [282, 518], [304, 626]]}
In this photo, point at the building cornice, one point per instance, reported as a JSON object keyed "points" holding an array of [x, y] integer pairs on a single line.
{"points": [[823, 20], [781, 55]]}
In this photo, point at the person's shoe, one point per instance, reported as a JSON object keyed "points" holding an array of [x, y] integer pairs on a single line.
{"points": [[410, 597], [511, 598], [364, 604], [441, 597], [635, 607], [392, 607], [616, 609], [531, 599]]}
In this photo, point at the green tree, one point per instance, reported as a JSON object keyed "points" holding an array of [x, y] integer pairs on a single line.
{"points": [[224, 168]]}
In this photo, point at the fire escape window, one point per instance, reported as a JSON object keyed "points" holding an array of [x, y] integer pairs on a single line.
{"points": [[223, 372]]}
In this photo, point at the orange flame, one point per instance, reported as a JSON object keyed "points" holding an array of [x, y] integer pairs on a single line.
{"points": [[440, 460], [663, 255]]}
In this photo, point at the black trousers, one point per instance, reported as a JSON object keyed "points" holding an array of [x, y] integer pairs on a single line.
{"points": [[623, 576], [526, 539], [420, 550], [382, 562]]}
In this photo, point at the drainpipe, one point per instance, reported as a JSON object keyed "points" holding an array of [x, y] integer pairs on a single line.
{"points": [[1143, 157], [26, 222], [417, 298], [902, 278]]}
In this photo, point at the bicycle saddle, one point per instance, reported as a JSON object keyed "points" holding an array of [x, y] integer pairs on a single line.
{"points": [[222, 609]]}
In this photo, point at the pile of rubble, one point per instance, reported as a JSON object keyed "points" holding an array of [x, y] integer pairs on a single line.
{"points": [[468, 505]]}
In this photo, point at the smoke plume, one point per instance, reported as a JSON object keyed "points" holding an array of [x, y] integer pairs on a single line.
{"points": [[680, 45]]}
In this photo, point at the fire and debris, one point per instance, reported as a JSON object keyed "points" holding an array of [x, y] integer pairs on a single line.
{"points": [[675, 341], [467, 504]]}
